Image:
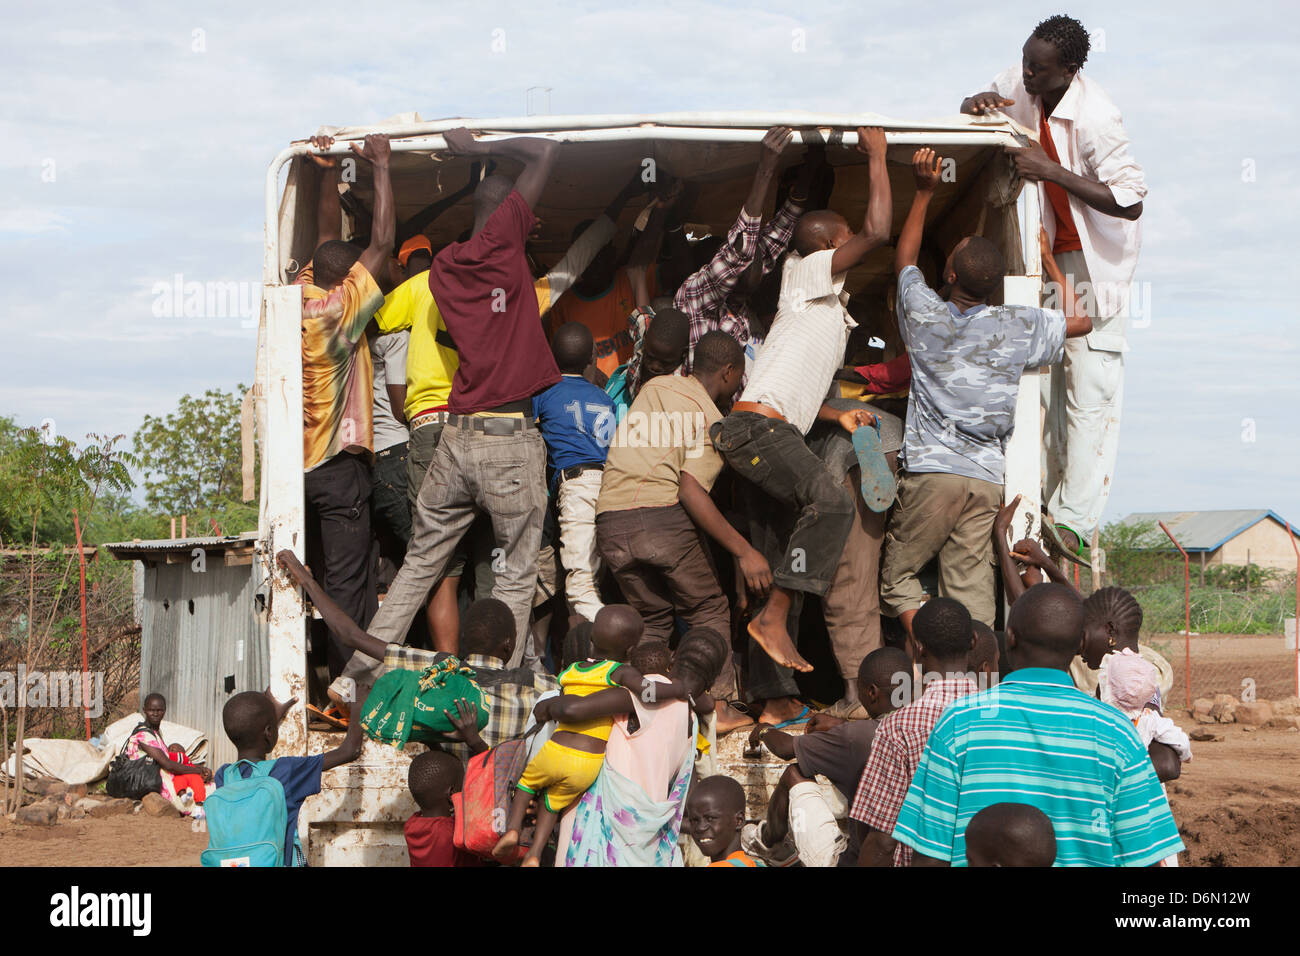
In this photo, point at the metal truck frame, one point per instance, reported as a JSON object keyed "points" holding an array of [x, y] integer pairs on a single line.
{"points": [[357, 818]]}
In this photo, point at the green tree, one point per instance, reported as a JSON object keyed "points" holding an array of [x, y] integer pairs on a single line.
{"points": [[192, 459], [1134, 552], [54, 520], [41, 475]]}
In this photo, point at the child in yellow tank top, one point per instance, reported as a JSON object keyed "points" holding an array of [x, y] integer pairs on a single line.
{"points": [[570, 761]]}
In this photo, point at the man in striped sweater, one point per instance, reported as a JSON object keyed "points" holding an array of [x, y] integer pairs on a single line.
{"points": [[1038, 740]]}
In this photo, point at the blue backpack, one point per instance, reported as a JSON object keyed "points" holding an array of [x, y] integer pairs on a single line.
{"points": [[247, 819]]}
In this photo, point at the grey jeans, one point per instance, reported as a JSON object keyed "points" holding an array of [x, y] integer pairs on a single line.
{"points": [[502, 476]]}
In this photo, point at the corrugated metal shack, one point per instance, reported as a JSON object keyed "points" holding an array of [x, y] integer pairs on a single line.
{"points": [[202, 607]]}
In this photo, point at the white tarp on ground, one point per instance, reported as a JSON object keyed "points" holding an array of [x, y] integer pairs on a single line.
{"points": [[76, 761]]}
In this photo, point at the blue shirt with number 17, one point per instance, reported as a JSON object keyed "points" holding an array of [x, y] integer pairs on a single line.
{"points": [[577, 421]]}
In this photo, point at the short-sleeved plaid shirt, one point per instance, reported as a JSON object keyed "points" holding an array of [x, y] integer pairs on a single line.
{"points": [[896, 753], [405, 658], [704, 296], [509, 695]]}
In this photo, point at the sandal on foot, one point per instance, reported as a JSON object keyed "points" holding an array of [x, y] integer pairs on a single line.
{"points": [[1052, 532], [800, 718]]}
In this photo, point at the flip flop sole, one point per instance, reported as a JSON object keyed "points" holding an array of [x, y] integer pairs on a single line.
{"points": [[318, 714], [878, 483], [803, 717], [1058, 546]]}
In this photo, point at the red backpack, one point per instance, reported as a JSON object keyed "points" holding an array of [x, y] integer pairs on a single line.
{"points": [[482, 807]]}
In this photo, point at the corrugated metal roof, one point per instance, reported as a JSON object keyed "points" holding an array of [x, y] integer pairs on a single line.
{"points": [[126, 550], [1205, 530]]}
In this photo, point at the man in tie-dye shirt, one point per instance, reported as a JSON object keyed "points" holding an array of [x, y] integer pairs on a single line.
{"points": [[338, 302]]}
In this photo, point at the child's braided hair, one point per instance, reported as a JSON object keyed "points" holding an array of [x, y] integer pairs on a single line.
{"points": [[1117, 606]]}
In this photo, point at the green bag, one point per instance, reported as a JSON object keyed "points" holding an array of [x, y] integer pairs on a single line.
{"points": [[406, 705]]}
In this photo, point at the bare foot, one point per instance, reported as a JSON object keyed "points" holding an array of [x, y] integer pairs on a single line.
{"points": [[504, 851], [726, 719], [780, 709], [768, 629], [531, 861]]}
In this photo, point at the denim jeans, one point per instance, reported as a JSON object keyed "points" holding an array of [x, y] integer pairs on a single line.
{"points": [[772, 454], [389, 505], [471, 473]]}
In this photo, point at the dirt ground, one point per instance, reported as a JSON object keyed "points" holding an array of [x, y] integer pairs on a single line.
{"points": [[1237, 804], [131, 839]]}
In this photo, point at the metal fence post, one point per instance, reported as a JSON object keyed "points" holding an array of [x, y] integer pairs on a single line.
{"points": [[1291, 538], [1187, 612]]}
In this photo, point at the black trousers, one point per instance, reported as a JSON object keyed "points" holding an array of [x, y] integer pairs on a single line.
{"points": [[338, 541]]}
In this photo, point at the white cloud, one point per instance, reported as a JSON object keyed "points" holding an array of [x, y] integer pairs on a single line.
{"points": [[30, 220], [160, 154]]}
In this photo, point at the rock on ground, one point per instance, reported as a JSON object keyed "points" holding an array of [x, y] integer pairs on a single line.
{"points": [[1255, 714], [1286, 707], [38, 814], [107, 808], [156, 805], [45, 786], [1224, 708]]}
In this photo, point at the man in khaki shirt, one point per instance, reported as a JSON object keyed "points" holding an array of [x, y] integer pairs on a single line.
{"points": [[654, 500]]}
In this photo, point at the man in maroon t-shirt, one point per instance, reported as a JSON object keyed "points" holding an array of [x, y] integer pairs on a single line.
{"points": [[491, 457]]}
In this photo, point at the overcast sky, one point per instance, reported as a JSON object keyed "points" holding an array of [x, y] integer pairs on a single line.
{"points": [[137, 136]]}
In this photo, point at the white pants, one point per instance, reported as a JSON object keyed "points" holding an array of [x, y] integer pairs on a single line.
{"points": [[1081, 400], [816, 808], [577, 505]]}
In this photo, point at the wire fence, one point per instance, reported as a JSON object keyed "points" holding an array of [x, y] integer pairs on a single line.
{"points": [[57, 697], [1237, 644]]}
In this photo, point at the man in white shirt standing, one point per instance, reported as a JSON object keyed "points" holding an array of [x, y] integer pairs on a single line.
{"points": [[1090, 192], [762, 439]]}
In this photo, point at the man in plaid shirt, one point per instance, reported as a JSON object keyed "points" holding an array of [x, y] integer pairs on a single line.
{"points": [[717, 295], [945, 637], [487, 640]]}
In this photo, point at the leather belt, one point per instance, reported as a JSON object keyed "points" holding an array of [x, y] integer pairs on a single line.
{"points": [[576, 470], [758, 408]]}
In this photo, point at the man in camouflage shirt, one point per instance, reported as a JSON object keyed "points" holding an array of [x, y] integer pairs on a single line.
{"points": [[967, 357]]}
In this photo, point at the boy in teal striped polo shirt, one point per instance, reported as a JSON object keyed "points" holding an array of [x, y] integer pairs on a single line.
{"points": [[1036, 739]]}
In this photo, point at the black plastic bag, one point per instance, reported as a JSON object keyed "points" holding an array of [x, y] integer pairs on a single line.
{"points": [[133, 778]]}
